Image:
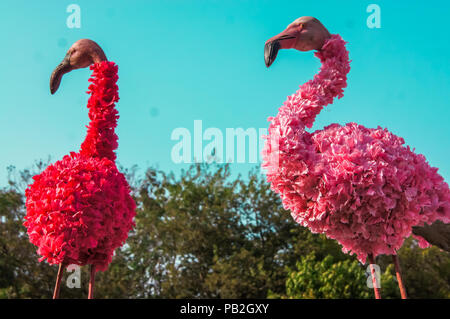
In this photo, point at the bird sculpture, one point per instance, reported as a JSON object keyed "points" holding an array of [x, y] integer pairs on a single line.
{"points": [[79, 209], [360, 186]]}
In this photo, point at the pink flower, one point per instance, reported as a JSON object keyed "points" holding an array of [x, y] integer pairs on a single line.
{"points": [[360, 186]]}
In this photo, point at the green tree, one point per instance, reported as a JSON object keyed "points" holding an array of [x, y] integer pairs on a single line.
{"points": [[327, 278], [204, 234], [22, 275], [425, 272]]}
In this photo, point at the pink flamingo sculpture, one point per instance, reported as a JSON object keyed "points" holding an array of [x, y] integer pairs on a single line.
{"points": [[79, 210], [359, 186]]}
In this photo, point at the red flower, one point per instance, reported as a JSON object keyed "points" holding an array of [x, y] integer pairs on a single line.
{"points": [[79, 210]]}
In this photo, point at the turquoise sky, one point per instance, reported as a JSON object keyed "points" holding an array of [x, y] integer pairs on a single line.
{"points": [[186, 60]]}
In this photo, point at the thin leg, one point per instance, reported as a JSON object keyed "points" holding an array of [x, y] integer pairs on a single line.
{"points": [[398, 272], [91, 283], [374, 277], [58, 280]]}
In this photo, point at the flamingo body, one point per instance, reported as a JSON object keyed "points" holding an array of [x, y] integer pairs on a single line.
{"points": [[360, 186], [79, 210]]}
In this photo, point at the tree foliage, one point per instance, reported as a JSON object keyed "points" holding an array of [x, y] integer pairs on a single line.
{"points": [[204, 234], [329, 279]]}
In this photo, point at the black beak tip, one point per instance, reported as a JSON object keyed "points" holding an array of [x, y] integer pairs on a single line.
{"points": [[270, 52], [58, 72], [267, 54], [53, 85], [55, 79]]}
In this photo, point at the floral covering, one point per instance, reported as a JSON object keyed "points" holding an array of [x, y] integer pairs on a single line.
{"points": [[360, 186], [79, 210]]}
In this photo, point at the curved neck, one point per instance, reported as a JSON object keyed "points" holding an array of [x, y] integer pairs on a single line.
{"points": [[288, 143], [329, 83], [101, 139]]}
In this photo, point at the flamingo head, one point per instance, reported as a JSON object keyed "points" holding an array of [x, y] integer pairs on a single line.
{"points": [[81, 54], [304, 34]]}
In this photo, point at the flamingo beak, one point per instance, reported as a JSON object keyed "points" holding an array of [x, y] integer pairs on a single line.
{"points": [[63, 68], [284, 40], [271, 51]]}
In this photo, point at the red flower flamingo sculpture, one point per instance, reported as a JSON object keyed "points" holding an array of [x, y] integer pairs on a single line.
{"points": [[79, 210], [359, 186]]}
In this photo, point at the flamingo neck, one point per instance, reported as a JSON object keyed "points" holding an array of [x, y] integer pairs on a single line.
{"points": [[288, 143], [101, 139], [329, 83]]}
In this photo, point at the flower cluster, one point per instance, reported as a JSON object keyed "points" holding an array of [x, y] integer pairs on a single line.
{"points": [[360, 186], [101, 139], [79, 210]]}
